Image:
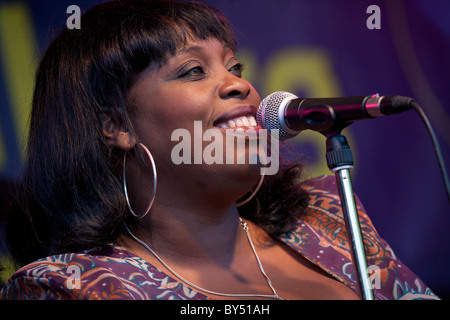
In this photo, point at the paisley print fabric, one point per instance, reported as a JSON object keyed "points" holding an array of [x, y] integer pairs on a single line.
{"points": [[320, 236], [108, 274]]}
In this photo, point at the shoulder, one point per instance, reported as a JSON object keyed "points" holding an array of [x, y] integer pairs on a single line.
{"points": [[64, 276], [321, 234], [110, 273], [324, 211]]}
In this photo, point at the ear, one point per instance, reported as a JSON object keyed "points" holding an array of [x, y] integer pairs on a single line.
{"points": [[117, 136]]}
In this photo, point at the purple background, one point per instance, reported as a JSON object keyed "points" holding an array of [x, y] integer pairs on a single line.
{"points": [[396, 173]]}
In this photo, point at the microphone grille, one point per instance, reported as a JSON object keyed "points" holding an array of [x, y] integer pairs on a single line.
{"points": [[267, 115]]}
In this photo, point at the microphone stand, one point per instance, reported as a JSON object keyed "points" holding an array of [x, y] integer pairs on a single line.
{"points": [[340, 161]]}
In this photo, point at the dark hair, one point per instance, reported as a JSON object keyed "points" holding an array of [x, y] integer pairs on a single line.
{"points": [[72, 193]]}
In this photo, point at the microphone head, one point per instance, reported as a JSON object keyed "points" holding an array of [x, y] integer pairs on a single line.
{"points": [[270, 113]]}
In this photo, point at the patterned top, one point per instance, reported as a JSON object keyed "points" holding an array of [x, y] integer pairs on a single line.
{"points": [[320, 236]]}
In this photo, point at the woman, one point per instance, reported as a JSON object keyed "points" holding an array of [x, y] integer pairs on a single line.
{"points": [[116, 218]]}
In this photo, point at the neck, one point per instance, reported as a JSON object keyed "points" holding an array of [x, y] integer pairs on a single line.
{"points": [[196, 234]]}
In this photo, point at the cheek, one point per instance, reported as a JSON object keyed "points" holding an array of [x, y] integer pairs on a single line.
{"points": [[160, 116], [169, 115]]}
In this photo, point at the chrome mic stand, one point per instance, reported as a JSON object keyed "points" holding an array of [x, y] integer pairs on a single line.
{"points": [[340, 161]]}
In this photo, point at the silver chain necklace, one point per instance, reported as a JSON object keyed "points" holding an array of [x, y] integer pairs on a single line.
{"points": [[245, 227]]}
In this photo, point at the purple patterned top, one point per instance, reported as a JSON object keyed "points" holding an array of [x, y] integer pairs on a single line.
{"points": [[320, 236]]}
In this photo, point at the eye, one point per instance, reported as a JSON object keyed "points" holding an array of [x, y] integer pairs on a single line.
{"points": [[237, 69], [196, 71]]}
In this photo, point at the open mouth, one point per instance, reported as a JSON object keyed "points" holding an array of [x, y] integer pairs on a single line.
{"points": [[241, 118], [244, 122]]}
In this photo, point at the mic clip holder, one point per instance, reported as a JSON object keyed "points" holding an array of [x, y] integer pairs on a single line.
{"points": [[340, 160]]}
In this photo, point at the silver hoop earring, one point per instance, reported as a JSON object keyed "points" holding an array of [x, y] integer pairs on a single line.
{"points": [[253, 193], [154, 183]]}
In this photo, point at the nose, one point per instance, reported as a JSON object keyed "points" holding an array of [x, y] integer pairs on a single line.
{"points": [[234, 87]]}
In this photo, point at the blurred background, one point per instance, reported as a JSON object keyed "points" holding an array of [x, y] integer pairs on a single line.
{"points": [[312, 48]]}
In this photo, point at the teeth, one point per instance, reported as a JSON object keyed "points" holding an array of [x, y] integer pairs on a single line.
{"points": [[231, 124], [249, 121]]}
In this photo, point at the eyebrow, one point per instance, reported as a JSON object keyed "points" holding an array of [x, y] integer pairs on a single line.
{"points": [[189, 49], [195, 48]]}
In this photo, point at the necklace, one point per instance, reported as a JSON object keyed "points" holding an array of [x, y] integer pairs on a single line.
{"points": [[245, 227]]}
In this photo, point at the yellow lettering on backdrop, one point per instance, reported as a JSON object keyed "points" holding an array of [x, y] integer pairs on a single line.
{"points": [[309, 71], [2, 150], [19, 54], [248, 59]]}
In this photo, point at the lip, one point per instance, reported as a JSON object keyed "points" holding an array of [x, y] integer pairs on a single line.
{"points": [[239, 111]]}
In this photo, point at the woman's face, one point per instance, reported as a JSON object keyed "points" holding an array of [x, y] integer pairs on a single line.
{"points": [[202, 85]]}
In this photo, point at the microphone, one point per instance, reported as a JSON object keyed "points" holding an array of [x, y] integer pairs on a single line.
{"points": [[290, 115]]}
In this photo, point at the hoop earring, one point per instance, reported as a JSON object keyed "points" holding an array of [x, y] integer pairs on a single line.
{"points": [[253, 193], [155, 179]]}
